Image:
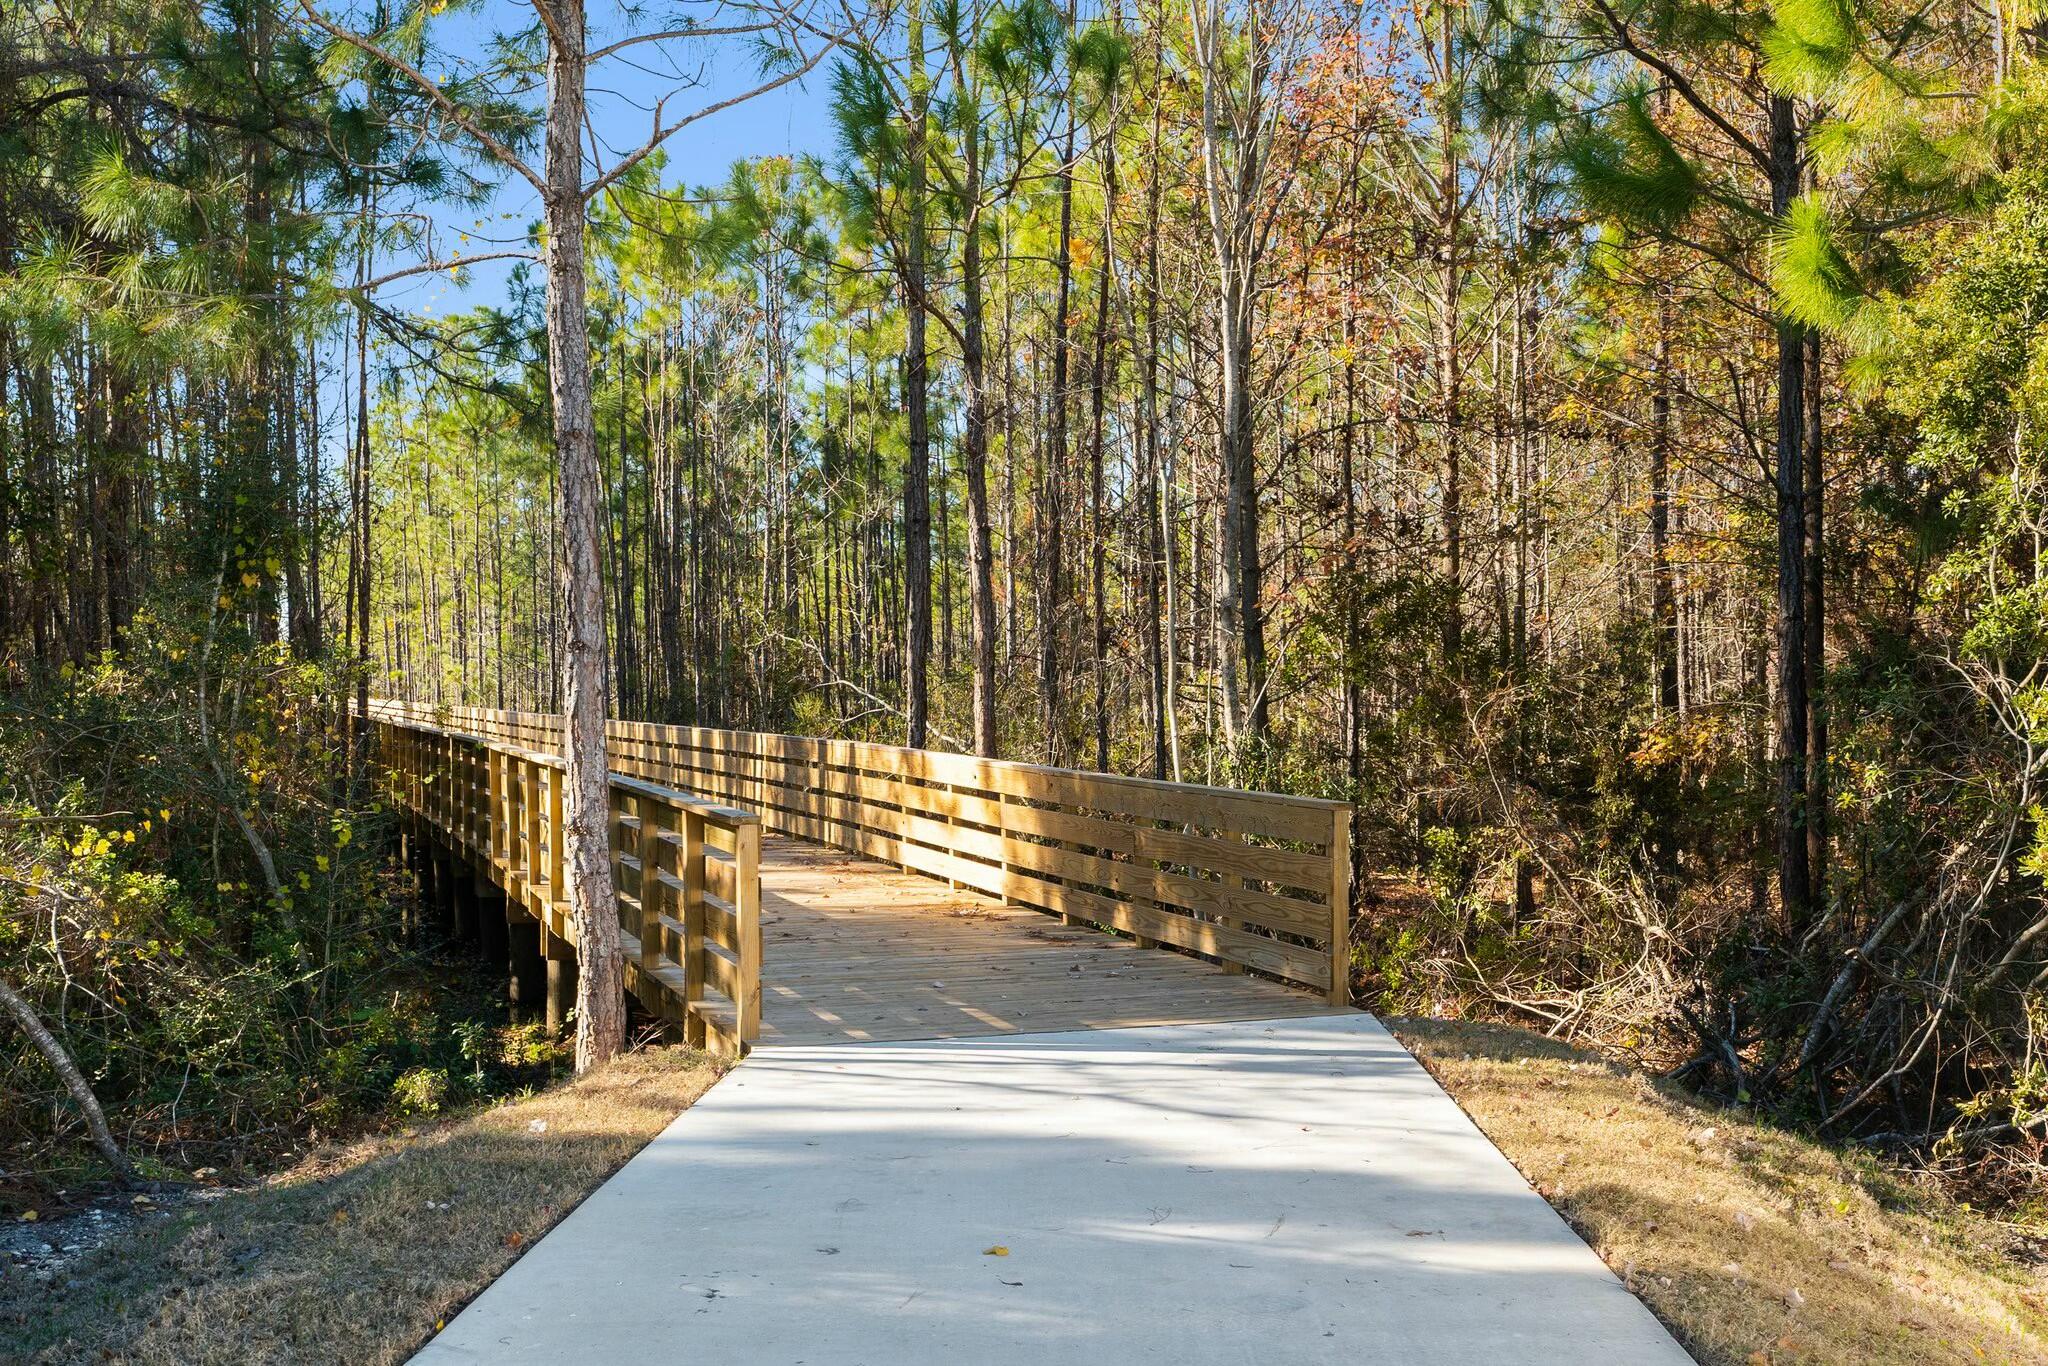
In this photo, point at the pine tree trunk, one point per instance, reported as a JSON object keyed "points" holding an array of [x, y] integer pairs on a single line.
{"points": [[1816, 637], [1663, 596], [973, 361], [1794, 869], [1052, 477], [1098, 380], [586, 806], [917, 503]]}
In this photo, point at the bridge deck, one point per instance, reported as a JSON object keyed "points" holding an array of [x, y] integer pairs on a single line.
{"points": [[856, 951]]}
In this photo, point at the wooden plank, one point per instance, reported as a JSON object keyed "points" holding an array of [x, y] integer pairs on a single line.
{"points": [[1088, 847]]}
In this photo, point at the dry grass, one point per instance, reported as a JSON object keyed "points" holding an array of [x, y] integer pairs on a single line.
{"points": [[1753, 1245], [356, 1256]]}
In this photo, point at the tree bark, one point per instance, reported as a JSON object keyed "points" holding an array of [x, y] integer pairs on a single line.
{"points": [[1052, 503], [1794, 868], [586, 802], [917, 503], [974, 443], [1233, 187], [1663, 594], [1098, 380], [1816, 636]]}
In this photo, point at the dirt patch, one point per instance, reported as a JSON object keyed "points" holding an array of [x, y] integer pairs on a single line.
{"points": [[359, 1254], [1753, 1245]]}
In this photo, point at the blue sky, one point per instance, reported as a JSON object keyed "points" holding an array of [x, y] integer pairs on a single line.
{"points": [[622, 90]]}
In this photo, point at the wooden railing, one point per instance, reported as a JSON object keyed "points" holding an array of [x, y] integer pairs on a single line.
{"points": [[1251, 879], [688, 870]]}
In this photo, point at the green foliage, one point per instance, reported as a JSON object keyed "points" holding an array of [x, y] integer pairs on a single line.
{"points": [[1628, 168], [1815, 280], [421, 1091]]}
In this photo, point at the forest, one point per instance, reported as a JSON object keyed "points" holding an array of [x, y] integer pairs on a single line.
{"points": [[1602, 440]]}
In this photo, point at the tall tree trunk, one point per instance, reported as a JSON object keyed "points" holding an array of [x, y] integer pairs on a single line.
{"points": [[1816, 636], [1449, 367], [1232, 186], [973, 360], [1794, 868], [1052, 478], [586, 805], [1152, 477], [1098, 380], [1663, 595], [917, 503]]}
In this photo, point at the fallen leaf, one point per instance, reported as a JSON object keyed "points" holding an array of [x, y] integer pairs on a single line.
{"points": [[29, 1216], [997, 1251], [515, 1240]]}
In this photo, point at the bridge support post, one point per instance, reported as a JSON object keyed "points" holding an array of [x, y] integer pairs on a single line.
{"points": [[433, 882], [450, 877], [448, 908], [491, 911], [468, 891], [561, 974], [524, 966]]}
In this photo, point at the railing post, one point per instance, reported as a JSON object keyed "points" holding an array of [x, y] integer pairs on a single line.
{"points": [[654, 852], [692, 864], [615, 820], [494, 817], [746, 856], [558, 853], [530, 795], [1340, 906]]}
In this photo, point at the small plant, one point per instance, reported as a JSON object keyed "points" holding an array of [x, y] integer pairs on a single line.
{"points": [[473, 1041], [421, 1091]]}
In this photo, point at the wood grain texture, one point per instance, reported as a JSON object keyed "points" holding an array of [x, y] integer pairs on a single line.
{"points": [[859, 952], [1254, 880], [501, 808]]}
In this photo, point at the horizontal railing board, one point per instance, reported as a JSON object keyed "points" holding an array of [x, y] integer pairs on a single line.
{"points": [[1254, 879], [486, 786]]}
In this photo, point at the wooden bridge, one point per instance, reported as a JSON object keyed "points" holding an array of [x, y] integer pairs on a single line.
{"points": [[778, 888]]}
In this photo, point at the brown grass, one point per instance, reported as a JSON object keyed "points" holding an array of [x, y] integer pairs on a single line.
{"points": [[358, 1255], [1753, 1245]]}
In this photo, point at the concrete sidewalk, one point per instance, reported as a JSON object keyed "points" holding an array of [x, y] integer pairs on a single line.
{"points": [[1279, 1191]]}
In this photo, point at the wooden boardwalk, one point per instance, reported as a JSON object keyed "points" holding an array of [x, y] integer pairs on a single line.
{"points": [[856, 952], [777, 889]]}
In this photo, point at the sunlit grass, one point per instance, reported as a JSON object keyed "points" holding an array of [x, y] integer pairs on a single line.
{"points": [[1753, 1245], [361, 1252]]}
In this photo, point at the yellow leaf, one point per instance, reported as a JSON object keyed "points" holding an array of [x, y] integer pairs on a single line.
{"points": [[997, 1251], [250, 580], [320, 862], [29, 1216]]}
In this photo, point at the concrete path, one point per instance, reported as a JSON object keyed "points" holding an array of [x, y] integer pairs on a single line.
{"points": [[1279, 1191]]}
